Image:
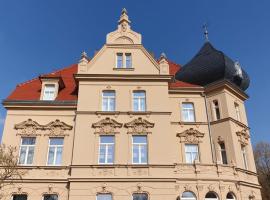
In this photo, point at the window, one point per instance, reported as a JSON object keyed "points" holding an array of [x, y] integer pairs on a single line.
{"points": [[139, 149], [19, 197], [244, 155], [216, 109], [188, 114], [106, 150], [128, 60], [223, 153], [119, 60], [192, 153], [104, 197], [139, 101], [55, 151], [108, 101], [237, 110], [140, 196], [230, 196], [211, 196], [49, 92], [27, 149], [188, 196], [50, 197]]}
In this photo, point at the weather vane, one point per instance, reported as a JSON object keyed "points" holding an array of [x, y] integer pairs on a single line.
{"points": [[206, 32]]}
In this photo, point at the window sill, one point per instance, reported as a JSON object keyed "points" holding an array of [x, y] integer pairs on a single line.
{"points": [[123, 69], [108, 112], [139, 112]]}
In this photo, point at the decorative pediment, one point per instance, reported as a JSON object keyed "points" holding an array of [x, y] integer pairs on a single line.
{"points": [[139, 126], [191, 136], [106, 126], [124, 34], [57, 127], [243, 136], [28, 127]]}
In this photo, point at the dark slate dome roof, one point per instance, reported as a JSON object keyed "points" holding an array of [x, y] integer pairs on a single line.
{"points": [[210, 65]]}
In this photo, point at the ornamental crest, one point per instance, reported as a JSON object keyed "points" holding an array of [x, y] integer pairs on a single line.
{"points": [[106, 126], [28, 127], [243, 136], [139, 126], [57, 127], [191, 136]]}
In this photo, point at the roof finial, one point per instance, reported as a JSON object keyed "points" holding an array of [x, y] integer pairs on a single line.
{"points": [[124, 17], [124, 10], [163, 55], [206, 32], [84, 55]]}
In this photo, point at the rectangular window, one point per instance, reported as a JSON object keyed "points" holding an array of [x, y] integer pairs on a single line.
{"points": [[108, 101], [104, 197], [139, 149], [223, 154], [188, 114], [27, 149], [192, 153], [128, 60], [106, 150], [19, 197], [237, 110], [119, 60], [244, 155], [55, 151], [216, 109], [140, 196], [49, 92], [139, 103], [50, 197]]}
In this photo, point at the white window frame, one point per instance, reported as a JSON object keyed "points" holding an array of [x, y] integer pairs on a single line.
{"points": [[126, 56], [27, 151], [139, 99], [56, 146], [188, 110], [140, 150], [124, 60], [118, 54], [52, 93], [188, 198], [109, 99], [104, 194], [193, 159], [106, 151], [244, 156]]}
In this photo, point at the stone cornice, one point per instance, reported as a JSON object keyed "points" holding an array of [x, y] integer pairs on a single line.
{"points": [[230, 119]]}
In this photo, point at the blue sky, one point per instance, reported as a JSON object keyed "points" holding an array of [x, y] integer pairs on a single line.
{"points": [[37, 37]]}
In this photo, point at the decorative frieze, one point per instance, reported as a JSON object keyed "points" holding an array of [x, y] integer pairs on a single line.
{"points": [[191, 136], [28, 127], [139, 126], [57, 128], [106, 126], [243, 136]]}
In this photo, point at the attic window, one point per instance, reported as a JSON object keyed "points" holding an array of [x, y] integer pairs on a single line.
{"points": [[49, 92], [123, 61]]}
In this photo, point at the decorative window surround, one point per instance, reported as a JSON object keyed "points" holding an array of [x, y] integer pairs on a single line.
{"points": [[139, 126], [51, 80], [243, 136], [106, 126], [57, 128], [190, 136], [28, 128]]}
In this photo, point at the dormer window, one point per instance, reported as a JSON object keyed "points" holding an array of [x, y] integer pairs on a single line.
{"points": [[49, 92], [123, 61]]}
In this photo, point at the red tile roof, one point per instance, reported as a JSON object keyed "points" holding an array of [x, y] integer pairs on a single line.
{"points": [[31, 90]]}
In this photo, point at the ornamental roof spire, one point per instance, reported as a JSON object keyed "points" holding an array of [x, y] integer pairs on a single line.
{"points": [[124, 17]]}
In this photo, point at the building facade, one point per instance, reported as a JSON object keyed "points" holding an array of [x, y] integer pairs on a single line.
{"points": [[123, 125]]}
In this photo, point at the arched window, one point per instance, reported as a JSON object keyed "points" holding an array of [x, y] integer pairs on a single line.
{"points": [[211, 196], [140, 196], [230, 196], [188, 196], [223, 153]]}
